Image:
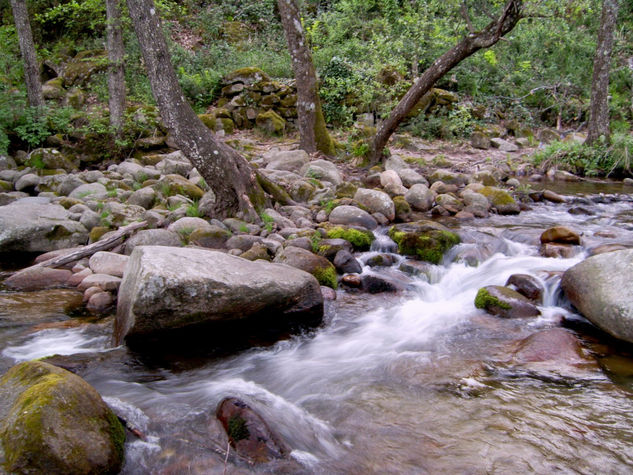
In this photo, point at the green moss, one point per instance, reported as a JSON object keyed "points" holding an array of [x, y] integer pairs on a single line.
{"points": [[58, 232], [485, 300], [429, 245], [497, 196], [238, 429], [271, 122], [324, 142], [117, 433], [361, 240], [326, 276]]}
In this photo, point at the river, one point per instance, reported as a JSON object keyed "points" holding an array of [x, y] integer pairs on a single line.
{"points": [[413, 382]]}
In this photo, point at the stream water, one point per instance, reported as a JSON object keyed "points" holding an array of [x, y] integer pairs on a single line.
{"points": [[413, 382]]}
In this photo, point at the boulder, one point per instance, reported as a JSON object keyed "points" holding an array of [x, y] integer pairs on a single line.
{"points": [[505, 302], [52, 421], [271, 122], [376, 202], [322, 170], [411, 177], [500, 200], [38, 227], [420, 197], [346, 263], [359, 237], [288, 160], [560, 235], [316, 265], [527, 285], [553, 344], [503, 145], [352, 216], [601, 288], [152, 237], [89, 191], [449, 177], [425, 240], [111, 263], [166, 289], [248, 433], [480, 140]]}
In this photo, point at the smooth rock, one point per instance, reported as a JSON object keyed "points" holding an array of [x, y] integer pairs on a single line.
{"points": [[376, 202], [560, 235], [38, 278], [527, 285], [352, 216], [346, 263], [420, 197], [103, 262], [318, 266], [152, 237], [505, 302], [288, 160], [103, 281], [601, 288], [166, 289]]}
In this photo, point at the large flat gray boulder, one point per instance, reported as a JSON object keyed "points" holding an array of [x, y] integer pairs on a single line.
{"points": [[601, 288], [167, 289], [27, 226]]}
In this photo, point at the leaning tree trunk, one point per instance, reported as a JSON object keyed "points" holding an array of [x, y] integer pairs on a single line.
{"points": [[230, 176], [313, 134], [116, 73], [472, 43], [599, 108], [27, 48]]}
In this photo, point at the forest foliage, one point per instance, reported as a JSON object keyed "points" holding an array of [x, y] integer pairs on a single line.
{"points": [[366, 52]]}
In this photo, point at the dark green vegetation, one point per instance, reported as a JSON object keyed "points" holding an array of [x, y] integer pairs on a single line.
{"points": [[367, 54]]}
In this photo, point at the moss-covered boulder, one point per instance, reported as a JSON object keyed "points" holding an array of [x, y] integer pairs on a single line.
{"points": [[248, 76], [318, 266], [505, 302], [52, 421], [79, 70], [500, 200], [425, 240], [271, 122], [53, 88], [174, 184], [360, 238], [49, 158]]}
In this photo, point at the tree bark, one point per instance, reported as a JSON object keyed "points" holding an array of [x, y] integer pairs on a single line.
{"points": [[599, 108], [470, 44], [313, 134], [27, 48], [229, 175], [116, 73]]}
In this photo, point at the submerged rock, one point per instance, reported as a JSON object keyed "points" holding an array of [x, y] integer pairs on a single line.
{"points": [[248, 433], [166, 289], [601, 288], [52, 421]]}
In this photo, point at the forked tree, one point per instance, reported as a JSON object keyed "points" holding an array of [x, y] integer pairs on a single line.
{"points": [[229, 175], [473, 42], [29, 57], [313, 134]]}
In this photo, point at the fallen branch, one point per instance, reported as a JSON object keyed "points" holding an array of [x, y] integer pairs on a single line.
{"points": [[90, 249]]}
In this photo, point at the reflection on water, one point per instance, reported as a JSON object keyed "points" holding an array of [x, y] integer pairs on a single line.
{"points": [[418, 382]]}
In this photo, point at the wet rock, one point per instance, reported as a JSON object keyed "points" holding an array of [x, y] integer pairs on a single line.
{"points": [[328, 293], [450, 203], [35, 227], [375, 284], [166, 289], [38, 278], [380, 260], [560, 235], [89, 292], [417, 269], [359, 237], [425, 240], [420, 197], [558, 250], [403, 209], [352, 280], [553, 197], [328, 248], [554, 344], [318, 266], [601, 288], [248, 433], [346, 263], [152, 237], [603, 248], [352, 216], [52, 421], [37, 306], [100, 302], [376, 202], [108, 263], [579, 210], [527, 285], [500, 200], [505, 302]]}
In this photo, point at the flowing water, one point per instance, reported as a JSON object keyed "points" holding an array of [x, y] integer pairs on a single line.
{"points": [[414, 382]]}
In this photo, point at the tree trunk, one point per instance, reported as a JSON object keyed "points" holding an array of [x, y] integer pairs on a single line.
{"points": [[116, 74], [230, 176], [313, 134], [470, 44], [599, 108], [27, 48]]}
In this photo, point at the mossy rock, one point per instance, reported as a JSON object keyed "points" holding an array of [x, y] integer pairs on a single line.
{"points": [[271, 122], [424, 240], [318, 266], [248, 76], [346, 190], [178, 185], [79, 70], [500, 199], [505, 302], [50, 159], [289, 101], [53, 88], [55, 422], [403, 209], [5, 186], [361, 239], [208, 120]]}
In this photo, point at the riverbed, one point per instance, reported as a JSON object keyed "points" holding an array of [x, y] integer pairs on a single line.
{"points": [[418, 381]]}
